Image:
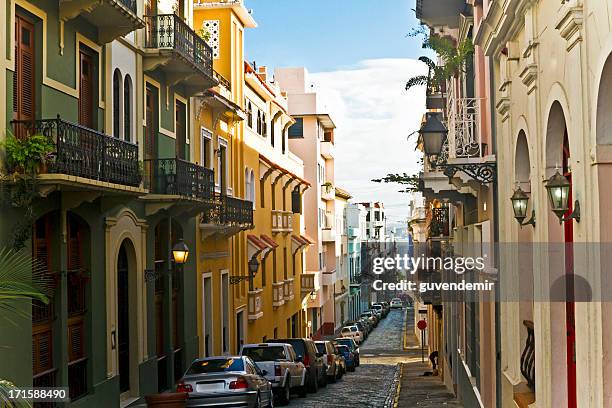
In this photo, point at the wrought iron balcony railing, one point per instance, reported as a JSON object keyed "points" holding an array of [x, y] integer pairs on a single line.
{"points": [[464, 136], [169, 31], [130, 4], [528, 356], [229, 211], [439, 225], [84, 152], [179, 177]]}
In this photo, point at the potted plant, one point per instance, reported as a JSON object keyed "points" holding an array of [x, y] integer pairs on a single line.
{"points": [[328, 186], [28, 155]]}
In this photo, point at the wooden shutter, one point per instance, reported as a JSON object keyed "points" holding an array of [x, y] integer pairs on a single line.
{"points": [[180, 130], [159, 325], [42, 351], [24, 77], [296, 201], [116, 99], [75, 256], [76, 339], [149, 147], [86, 86]]}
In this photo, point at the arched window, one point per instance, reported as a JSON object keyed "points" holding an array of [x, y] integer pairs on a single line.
{"points": [[264, 125], [249, 114], [258, 122], [284, 140], [252, 194], [127, 108], [116, 103], [272, 127]]}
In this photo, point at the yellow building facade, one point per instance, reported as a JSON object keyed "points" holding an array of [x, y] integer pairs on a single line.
{"points": [[235, 124]]}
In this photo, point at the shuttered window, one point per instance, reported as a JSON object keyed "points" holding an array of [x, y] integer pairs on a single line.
{"points": [[86, 89], [296, 131], [296, 201], [24, 77], [127, 108], [116, 107]]}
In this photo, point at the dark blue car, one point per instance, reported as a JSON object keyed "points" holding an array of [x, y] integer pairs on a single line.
{"points": [[349, 357], [350, 343]]}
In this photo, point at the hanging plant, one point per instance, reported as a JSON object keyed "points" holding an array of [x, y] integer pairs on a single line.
{"points": [[29, 154]]}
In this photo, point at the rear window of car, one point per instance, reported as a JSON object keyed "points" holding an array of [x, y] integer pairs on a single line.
{"points": [[321, 347], [346, 329], [346, 342], [343, 349], [216, 366], [298, 345], [265, 353]]}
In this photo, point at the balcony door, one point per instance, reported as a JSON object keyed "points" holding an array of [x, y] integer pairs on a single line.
{"points": [[24, 76], [181, 130], [86, 89]]}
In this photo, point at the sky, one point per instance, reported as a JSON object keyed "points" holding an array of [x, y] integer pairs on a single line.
{"points": [[359, 56]]}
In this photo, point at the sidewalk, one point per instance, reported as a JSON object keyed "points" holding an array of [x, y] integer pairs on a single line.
{"points": [[417, 390]]}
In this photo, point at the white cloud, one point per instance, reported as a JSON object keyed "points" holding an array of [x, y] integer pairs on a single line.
{"points": [[374, 115]]}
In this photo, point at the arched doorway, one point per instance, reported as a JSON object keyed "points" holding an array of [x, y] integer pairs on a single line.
{"points": [[561, 266], [123, 318]]}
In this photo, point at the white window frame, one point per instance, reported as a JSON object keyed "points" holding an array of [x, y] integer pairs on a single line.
{"points": [[206, 134]]}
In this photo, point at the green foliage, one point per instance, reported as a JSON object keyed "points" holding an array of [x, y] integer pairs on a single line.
{"points": [[410, 182], [6, 401], [22, 280], [26, 154], [204, 34], [453, 59]]}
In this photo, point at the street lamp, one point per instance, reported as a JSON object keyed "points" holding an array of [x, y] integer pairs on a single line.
{"points": [[253, 266], [520, 199], [558, 187], [313, 296], [433, 133], [180, 252]]}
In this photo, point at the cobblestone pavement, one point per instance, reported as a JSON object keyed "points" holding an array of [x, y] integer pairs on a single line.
{"points": [[374, 382]]}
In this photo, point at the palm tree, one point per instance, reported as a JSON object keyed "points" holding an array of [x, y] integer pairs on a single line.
{"points": [[22, 280]]}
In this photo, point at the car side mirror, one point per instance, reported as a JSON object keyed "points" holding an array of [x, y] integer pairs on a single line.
{"points": [[264, 372]]}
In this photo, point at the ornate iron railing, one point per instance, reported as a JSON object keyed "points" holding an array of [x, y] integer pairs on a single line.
{"points": [[84, 152], [179, 177], [228, 211], [464, 138], [171, 32], [528, 356], [224, 82], [439, 222]]}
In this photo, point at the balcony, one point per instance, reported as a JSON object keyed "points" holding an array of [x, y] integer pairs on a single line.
{"points": [[182, 55], [439, 223], [524, 393], [328, 192], [84, 152], [282, 221], [288, 289], [327, 150], [178, 177], [255, 304], [354, 232], [328, 235], [112, 18], [224, 88], [278, 295], [434, 95], [225, 216], [329, 278], [310, 282]]}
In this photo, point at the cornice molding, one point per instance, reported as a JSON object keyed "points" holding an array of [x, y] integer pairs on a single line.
{"points": [[570, 26]]}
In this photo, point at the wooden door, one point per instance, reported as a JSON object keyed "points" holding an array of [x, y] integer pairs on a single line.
{"points": [[180, 128], [151, 122], [24, 77], [123, 307], [86, 89]]}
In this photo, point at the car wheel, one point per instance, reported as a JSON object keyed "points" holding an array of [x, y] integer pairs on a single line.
{"points": [[314, 384], [351, 369], [302, 391], [324, 380], [285, 395]]}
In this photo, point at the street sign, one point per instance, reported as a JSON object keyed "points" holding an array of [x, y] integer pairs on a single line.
{"points": [[422, 324]]}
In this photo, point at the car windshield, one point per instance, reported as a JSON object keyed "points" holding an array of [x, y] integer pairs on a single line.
{"points": [[347, 342], [298, 345], [216, 366], [353, 329], [321, 348], [265, 353]]}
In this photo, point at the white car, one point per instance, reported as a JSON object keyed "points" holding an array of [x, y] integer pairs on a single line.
{"points": [[352, 332], [396, 303]]}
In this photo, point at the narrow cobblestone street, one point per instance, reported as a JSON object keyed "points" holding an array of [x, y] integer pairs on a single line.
{"points": [[375, 382]]}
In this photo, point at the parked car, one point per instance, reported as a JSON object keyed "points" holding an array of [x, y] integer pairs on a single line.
{"points": [[308, 354], [279, 361], [348, 355], [224, 381], [340, 360], [350, 343], [372, 316], [396, 303], [380, 309], [326, 348], [353, 332], [386, 306], [367, 323], [362, 327]]}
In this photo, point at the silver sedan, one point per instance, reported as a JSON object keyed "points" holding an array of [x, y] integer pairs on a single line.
{"points": [[224, 382]]}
